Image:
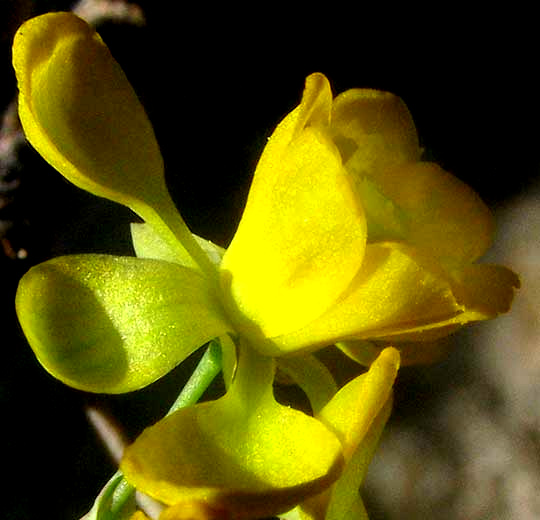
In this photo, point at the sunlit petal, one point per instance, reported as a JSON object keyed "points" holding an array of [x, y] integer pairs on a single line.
{"points": [[300, 240]]}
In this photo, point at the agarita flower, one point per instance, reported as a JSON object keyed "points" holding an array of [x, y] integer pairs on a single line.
{"points": [[347, 236]]}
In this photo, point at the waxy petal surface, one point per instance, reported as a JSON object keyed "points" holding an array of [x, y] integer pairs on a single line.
{"points": [[115, 324], [80, 112]]}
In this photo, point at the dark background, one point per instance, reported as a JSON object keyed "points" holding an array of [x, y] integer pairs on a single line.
{"points": [[214, 85]]}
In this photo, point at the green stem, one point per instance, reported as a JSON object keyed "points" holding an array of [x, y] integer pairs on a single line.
{"points": [[208, 368]]}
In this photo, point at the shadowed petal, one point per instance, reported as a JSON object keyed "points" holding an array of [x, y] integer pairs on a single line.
{"points": [[357, 415], [114, 324], [81, 114], [373, 130]]}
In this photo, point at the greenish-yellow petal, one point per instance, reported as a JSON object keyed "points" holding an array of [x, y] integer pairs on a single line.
{"points": [[114, 324], [312, 376], [243, 454], [345, 501]]}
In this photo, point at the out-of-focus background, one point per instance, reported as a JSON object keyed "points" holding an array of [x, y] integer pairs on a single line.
{"points": [[464, 439]]}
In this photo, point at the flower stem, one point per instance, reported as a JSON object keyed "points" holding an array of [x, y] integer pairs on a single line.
{"points": [[208, 368]]}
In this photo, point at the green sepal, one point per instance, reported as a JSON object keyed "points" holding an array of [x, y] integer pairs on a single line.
{"points": [[149, 244], [113, 502]]}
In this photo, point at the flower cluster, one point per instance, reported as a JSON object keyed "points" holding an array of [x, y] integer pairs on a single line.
{"points": [[348, 238]]}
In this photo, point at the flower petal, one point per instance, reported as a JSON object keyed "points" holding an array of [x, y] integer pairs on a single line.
{"points": [[357, 415], [301, 238], [352, 410], [114, 324], [81, 114], [403, 295], [373, 130], [243, 454], [314, 110], [345, 501], [404, 198], [439, 213], [486, 288], [394, 291]]}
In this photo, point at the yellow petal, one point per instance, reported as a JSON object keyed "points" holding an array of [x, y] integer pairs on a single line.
{"points": [[486, 288], [345, 501], [404, 198], [373, 130], [193, 510], [243, 454], [357, 415], [483, 291], [301, 238], [81, 114], [439, 214], [352, 410], [395, 290], [314, 110]]}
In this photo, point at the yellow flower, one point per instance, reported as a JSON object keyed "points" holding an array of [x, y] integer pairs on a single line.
{"points": [[346, 236]]}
